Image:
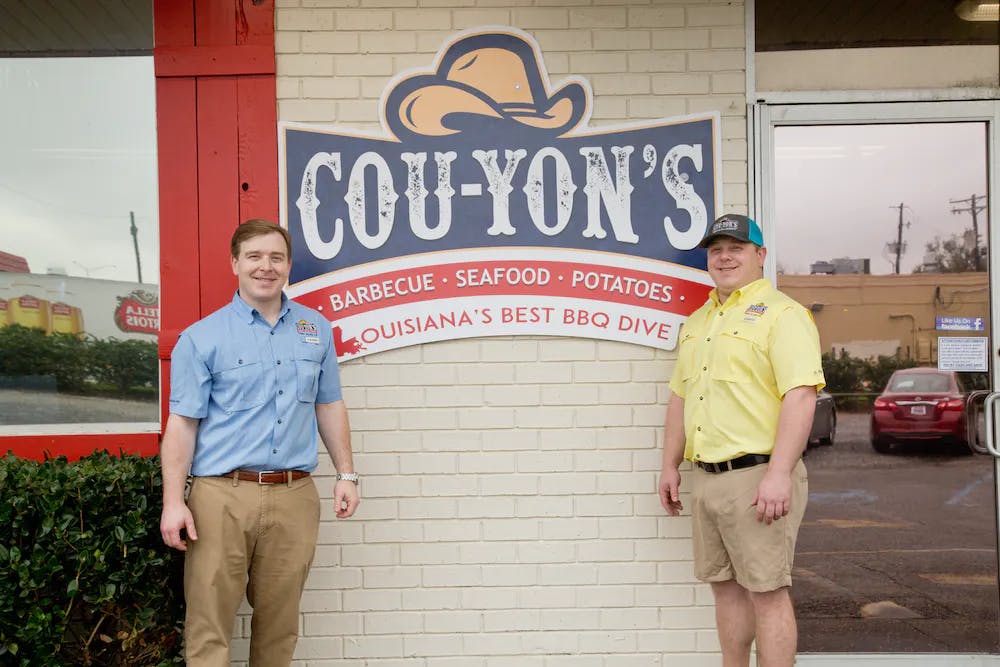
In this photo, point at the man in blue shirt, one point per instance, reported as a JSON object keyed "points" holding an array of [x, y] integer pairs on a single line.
{"points": [[251, 384]]}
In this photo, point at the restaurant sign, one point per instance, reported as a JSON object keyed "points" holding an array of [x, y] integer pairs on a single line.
{"points": [[490, 207]]}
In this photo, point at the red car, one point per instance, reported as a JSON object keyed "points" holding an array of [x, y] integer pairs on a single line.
{"points": [[920, 404]]}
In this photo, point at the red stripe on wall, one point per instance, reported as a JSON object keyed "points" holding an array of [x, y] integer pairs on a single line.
{"points": [[40, 447]]}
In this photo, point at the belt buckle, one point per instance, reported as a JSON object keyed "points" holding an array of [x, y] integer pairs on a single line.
{"points": [[260, 476]]}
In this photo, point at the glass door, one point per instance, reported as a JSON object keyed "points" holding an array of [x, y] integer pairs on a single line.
{"points": [[877, 217]]}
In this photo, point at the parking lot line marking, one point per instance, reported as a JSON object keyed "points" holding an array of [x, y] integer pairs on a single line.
{"points": [[887, 609], [842, 497], [968, 488], [857, 523], [961, 579], [849, 552]]}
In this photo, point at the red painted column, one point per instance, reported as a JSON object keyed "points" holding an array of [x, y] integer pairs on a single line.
{"points": [[215, 67]]}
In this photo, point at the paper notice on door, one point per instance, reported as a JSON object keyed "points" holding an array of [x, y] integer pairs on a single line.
{"points": [[962, 354]]}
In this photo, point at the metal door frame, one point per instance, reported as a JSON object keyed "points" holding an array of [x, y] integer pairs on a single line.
{"points": [[762, 118]]}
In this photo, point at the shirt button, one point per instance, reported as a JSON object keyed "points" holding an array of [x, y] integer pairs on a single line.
{"points": [[708, 340], [279, 362], [239, 361], [280, 392], [274, 451], [701, 398], [272, 333], [279, 421], [704, 368], [699, 428]]}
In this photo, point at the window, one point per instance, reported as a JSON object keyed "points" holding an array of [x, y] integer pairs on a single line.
{"points": [[79, 285]]}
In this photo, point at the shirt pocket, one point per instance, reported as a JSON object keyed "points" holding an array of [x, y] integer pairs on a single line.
{"points": [[238, 382], [685, 358], [738, 355], [308, 358]]}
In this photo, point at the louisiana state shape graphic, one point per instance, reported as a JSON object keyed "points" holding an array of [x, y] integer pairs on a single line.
{"points": [[490, 207]]}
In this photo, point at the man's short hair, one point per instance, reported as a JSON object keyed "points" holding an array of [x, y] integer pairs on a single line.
{"points": [[257, 227]]}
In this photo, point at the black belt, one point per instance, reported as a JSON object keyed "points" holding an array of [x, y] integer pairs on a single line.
{"points": [[744, 461]]}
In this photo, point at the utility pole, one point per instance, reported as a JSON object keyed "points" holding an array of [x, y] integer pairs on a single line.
{"points": [[135, 243], [899, 236], [974, 209]]}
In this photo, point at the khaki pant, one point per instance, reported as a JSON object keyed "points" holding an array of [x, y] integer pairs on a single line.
{"points": [[252, 538]]}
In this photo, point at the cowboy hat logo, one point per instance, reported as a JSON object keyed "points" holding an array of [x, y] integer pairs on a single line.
{"points": [[485, 82]]}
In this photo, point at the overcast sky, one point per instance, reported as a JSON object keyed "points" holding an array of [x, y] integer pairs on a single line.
{"points": [[836, 186], [79, 153]]}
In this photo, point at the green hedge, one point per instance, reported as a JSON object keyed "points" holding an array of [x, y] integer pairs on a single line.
{"points": [[76, 363], [855, 382], [84, 577]]}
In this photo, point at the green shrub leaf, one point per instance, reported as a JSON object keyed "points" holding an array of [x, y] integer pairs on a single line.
{"points": [[81, 557]]}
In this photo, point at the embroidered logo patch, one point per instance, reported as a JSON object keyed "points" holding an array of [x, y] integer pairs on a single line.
{"points": [[754, 312], [304, 327], [307, 332]]}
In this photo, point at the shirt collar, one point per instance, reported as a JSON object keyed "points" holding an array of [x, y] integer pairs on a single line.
{"points": [[747, 291], [247, 313]]}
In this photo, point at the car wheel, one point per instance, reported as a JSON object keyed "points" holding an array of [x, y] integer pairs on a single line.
{"points": [[828, 440], [881, 446]]}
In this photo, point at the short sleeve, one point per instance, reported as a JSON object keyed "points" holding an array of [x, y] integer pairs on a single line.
{"points": [[684, 360], [190, 380], [795, 352], [329, 374]]}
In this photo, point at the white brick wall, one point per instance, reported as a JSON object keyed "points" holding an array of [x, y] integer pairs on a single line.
{"points": [[509, 516]]}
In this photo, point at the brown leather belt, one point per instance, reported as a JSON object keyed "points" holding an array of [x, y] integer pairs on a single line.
{"points": [[744, 461], [266, 476]]}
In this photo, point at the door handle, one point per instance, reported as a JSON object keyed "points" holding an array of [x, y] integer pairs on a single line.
{"points": [[989, 404], [974, 409]]}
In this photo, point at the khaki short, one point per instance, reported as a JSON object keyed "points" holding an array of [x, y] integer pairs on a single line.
{"points": [[729, 541]]}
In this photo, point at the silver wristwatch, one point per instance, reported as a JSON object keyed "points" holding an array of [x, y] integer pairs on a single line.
{"points": [[348, 477]]}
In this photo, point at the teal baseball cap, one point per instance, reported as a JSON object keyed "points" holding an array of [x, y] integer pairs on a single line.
{"points": [[737, 226]]}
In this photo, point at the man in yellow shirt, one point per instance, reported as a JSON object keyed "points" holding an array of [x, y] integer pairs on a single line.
{"points": [[741, 406]]}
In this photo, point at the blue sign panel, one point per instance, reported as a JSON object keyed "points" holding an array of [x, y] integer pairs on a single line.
{"points": [[960, 324]]}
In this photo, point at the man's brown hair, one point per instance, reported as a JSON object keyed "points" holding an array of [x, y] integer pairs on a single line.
{"points": [[257, 227]]}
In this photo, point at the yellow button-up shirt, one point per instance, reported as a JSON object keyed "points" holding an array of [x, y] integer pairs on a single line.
{"points": [[735, 362]]}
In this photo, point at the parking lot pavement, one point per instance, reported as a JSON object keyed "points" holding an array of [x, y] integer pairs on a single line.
{"points": [[41, 407], [897, 553]]}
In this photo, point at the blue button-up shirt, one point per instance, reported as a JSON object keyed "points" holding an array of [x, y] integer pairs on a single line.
{"points": [[254, 387]]}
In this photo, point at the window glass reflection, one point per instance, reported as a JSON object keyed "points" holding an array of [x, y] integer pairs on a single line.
{"points": [[79, 293], [881, 231]]}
